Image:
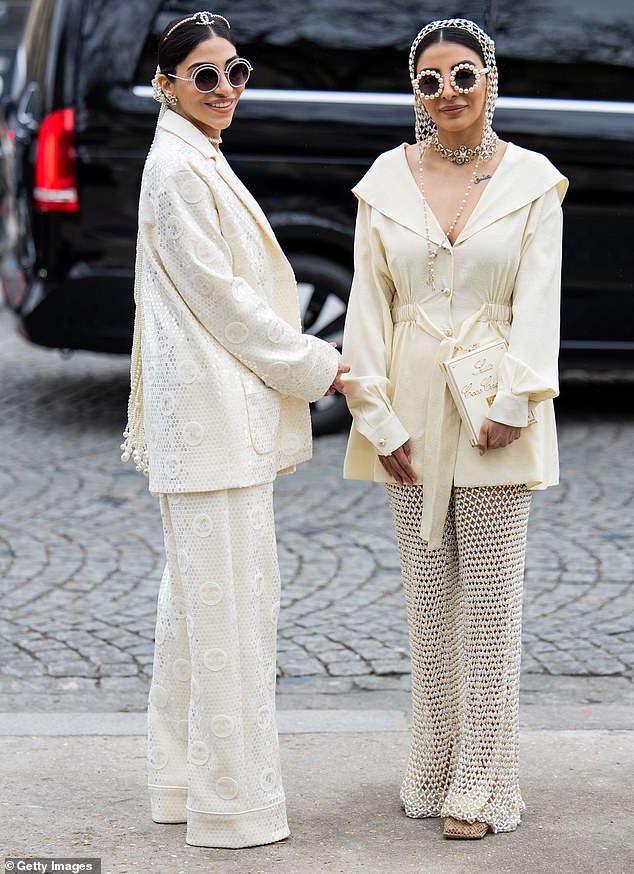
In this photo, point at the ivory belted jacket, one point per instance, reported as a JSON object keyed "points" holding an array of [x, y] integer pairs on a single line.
{"points": [[501, 278], [227, 374]]}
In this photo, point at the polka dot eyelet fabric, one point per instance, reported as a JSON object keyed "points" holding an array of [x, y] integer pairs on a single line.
{"points": [[211, 725], [217, 297]]}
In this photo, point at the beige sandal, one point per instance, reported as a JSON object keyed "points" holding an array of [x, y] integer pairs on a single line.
{"points": [[469, 831]]}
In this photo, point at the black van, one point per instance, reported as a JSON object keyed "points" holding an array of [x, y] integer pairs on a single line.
{"points": [[330, 91]]}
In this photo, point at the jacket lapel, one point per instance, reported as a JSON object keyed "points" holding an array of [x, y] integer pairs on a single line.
{"points": [[390, 188], [181, 127], [248, 200], [521, 177]]}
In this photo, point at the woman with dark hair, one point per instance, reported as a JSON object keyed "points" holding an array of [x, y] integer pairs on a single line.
{"points": [[458, 244], [221, 379]]}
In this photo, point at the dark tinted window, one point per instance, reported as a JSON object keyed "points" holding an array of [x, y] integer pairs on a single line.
{"points": [[112, 38], [543, 47], [37, 34], [324, 44], [12, 16], [581, 49]]}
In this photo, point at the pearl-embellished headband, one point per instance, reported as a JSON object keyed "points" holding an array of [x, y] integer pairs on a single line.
{"points": [[486, 43], [205, 18]]}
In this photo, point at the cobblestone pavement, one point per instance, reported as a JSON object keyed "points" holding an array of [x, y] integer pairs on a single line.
{"points": [[81, 551]]}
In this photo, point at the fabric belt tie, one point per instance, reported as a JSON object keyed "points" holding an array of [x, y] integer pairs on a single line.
{"points": [[442, 420]]}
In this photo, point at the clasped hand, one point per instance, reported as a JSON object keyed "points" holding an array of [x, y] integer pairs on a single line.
{"points": [[338, 383]]}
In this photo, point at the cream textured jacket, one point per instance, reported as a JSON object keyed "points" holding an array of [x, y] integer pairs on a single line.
{"points": [[226, 373], [501, 278]]}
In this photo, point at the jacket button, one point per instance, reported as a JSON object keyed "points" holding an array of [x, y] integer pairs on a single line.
{"points": [[446, 292], [382, 441], [448, 332]]}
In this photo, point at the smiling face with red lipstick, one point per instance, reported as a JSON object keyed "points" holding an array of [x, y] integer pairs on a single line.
{"points": [[453, 75], [210, 110]]}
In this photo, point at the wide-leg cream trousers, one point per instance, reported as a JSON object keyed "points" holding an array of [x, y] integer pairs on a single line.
{"points": [[213, 751], [464, 609]]}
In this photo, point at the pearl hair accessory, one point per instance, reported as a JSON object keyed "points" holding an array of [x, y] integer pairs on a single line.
{"points": [[157, 92], [425, 127], [159, 95], [207, 19]]}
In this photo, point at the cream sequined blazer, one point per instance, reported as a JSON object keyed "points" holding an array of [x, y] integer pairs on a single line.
{"points": [[501, 278], [226, 373]]}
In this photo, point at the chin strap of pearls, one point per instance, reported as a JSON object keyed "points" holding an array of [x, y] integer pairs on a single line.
{"points": [[134, 443]]}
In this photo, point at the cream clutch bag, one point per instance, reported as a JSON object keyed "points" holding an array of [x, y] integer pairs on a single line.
{"points": [[473, 381]]}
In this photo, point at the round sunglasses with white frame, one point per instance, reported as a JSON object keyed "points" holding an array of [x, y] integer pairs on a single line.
{"points": [[207, 77], [464, 79]]}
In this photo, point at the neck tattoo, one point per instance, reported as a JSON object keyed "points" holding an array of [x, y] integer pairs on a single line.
{"points": [[479, 179]]}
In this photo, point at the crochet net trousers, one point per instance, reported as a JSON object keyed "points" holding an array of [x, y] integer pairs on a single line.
{"points": [[213, 752], [464, 611]]}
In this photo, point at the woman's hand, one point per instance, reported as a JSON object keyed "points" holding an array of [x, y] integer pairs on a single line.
{"points": [[338, 383], [398, 464], [495, 435]]}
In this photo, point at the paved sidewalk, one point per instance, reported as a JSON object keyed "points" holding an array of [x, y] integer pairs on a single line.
{"points": [[81, 558], [84, 795], [81, 550]]}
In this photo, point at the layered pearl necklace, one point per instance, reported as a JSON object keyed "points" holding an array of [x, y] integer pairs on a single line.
{"points": [[434, 248]]}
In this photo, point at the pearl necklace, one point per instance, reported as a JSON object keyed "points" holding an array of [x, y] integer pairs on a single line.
{"points": [[463, 154], [215, 140], [434, 248]]}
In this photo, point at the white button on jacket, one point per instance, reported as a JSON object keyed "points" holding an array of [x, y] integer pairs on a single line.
{"points": [[503, 274], [227, 374]]}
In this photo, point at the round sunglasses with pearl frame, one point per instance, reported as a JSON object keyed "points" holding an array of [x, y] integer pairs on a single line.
{"points": [[207, 77], [464, 79]]}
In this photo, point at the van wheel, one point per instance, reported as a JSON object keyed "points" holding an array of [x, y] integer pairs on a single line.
{"points": [[323, 288]]}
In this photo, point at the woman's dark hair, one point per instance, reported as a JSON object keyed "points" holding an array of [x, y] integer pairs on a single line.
{"points": [[178, 45], [449, 34]]}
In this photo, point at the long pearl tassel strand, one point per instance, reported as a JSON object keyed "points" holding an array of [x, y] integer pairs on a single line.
{"points": [[134, 443], [434, 248]]}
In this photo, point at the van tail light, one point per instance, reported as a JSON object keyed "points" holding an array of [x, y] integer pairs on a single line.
{"points": [[55, 188]]}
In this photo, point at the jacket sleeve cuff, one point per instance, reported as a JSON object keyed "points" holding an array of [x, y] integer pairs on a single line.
{"points": [[389, 436], [509, 409], [323, 371]]}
